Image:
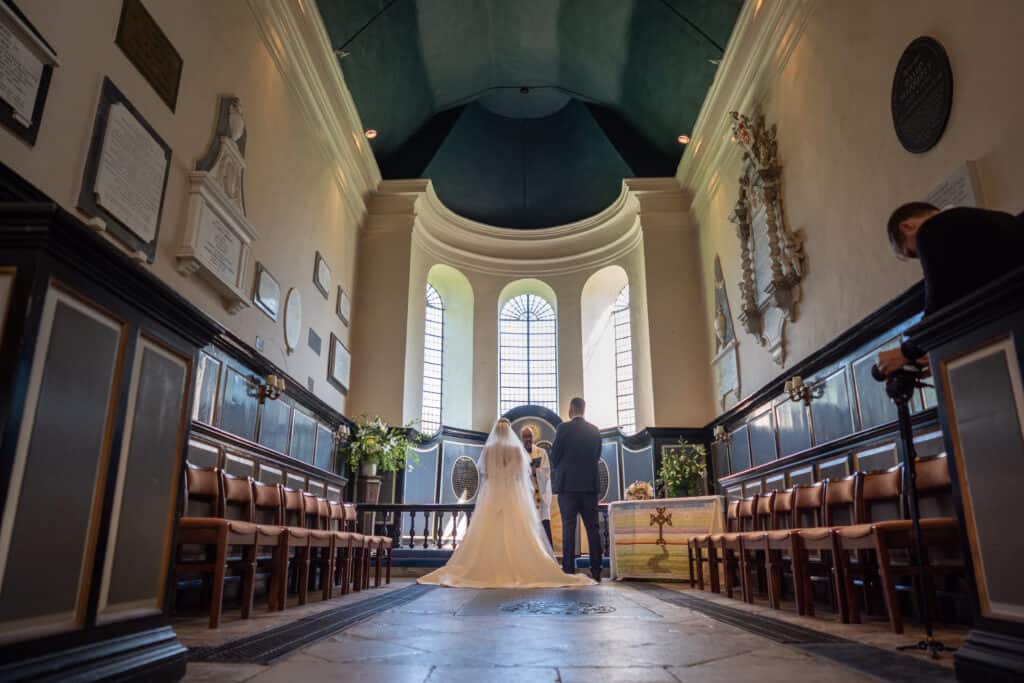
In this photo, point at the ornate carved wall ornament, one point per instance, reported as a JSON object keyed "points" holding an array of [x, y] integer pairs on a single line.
{"points": [[218, 236], [771, 257], [725, 363]]}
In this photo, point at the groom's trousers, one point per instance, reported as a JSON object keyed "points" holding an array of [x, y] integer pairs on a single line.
{"points": [[585, 505]]}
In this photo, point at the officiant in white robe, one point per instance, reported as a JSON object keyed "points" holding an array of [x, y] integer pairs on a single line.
{"points": [[540, 476]]}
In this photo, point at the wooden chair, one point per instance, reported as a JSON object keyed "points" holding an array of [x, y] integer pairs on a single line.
{"points": [[217, 535], [321, 542], [731, 547], [361, 551], [295, 543], [343, 542], [753, 557], [839, 508], [808, 501], [713, 545], [269, 517], [884, 537], [880, 499], [779, 546]]}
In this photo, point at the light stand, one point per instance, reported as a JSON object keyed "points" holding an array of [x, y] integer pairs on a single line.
{"points": [[900, 387]]}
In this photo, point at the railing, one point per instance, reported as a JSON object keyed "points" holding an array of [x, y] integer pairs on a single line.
{"points": [[399, 522], [393, 520]]}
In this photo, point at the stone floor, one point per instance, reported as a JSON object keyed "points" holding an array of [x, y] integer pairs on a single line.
{"points": [[618, 634]]}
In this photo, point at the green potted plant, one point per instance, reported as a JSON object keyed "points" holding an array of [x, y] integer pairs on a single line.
{"points": [[683, 468], [377, 445]]}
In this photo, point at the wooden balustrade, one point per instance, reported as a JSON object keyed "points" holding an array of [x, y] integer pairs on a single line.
{"points": [[391, 519], [387, 520]]}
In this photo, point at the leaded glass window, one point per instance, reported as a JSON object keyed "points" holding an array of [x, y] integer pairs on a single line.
{"points": [[528, 353], [433, 362]]}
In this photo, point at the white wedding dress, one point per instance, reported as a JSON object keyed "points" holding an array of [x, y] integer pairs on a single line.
{"points": [[505, 545]]}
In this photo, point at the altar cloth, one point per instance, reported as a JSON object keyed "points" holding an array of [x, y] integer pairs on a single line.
{"points": [[648, 538]]}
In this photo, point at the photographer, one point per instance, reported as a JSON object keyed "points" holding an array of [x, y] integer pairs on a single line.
{"points": [[960, 249]]}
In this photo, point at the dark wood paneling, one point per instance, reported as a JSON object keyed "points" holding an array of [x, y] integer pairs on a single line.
{"points": [[207, 381], [720, 458], [638, 465], [762, 438], [834, 468], [878, 458], [275, 423], [739, 450], [65, 451], [303, 438], [794, 432], [874, 406], [831, 417], [238, 406], [324, 453], [992, 457], [143, 521]]}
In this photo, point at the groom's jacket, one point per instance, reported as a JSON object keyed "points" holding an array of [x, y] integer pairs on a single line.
{"points": [[574, 455]]}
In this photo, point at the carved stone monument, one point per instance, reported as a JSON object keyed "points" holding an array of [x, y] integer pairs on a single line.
{"points": [[218, 237], [725, 363], [771, 257]]}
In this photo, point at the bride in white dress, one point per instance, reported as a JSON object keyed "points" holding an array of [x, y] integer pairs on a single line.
{"points": [[505, 545]]}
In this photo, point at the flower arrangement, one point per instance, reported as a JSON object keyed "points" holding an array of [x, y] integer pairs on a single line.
{"points": [[639, 490], [379, 445], [683, 469]]}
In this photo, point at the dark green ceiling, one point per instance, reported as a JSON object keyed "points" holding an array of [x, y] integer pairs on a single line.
{"points": [[612, 83]]}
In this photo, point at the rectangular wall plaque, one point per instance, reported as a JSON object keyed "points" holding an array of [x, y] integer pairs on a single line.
{"points": [[147, 47], [26, 66], [126, 171], [961, 188]]}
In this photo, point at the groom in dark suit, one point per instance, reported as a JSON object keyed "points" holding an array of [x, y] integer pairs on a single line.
{"points": [[575, 479]]}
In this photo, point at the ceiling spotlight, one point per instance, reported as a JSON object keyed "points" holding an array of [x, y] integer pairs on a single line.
{"points": [[370, 133], [683, 139], [342, 53], [716, 62]]}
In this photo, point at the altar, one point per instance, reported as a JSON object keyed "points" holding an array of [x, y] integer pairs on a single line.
{"points": [[648, 538]]}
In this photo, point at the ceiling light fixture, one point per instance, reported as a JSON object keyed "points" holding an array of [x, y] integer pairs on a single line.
{"points": [[370, 133], [342, 53], [683, 139], [716, 62]]}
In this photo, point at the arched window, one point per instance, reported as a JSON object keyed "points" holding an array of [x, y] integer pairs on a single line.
{"points": [[433, 365], [528, 353], [624, 402]]}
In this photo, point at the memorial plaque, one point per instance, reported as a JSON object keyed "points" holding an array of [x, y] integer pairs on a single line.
{"points": [[961, 188], [922, 95], [126, 172], [148, 48], [220, 249], [26, 66]]}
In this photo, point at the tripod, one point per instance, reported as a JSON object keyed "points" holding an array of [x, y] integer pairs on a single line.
{"points": [[900, 386]]}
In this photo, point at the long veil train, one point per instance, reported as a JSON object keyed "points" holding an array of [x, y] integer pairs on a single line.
{"points": [[505, 545]]}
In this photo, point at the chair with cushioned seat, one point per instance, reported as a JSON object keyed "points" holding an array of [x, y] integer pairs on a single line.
{"points": [[343, 542], [217, 535], [295, 542], [933, 481], [712, 543], [321, 542], [361, 550], [269, 517]]}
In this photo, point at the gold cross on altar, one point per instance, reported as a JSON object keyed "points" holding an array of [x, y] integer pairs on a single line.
{"points": [[661, 519]]}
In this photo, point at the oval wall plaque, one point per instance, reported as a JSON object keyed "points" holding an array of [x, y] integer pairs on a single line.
{"points": [[292, 319], [922, 95]]}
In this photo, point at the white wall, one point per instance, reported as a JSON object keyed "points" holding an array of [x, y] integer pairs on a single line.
{"points": [[843, 169], [294, 196]]}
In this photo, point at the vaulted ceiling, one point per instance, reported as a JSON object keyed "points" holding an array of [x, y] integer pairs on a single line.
{"points": [[528, 113]]}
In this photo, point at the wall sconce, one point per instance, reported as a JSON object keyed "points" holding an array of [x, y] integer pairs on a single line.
{"points": [[798, 391], [272, 388], [342, 433], [720, 434]]}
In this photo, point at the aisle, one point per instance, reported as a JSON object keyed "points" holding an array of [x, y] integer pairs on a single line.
{"points": [[611, 633]]}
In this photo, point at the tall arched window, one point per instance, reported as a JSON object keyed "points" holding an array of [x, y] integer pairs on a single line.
{"points": [[433, 366], [528, 353], [624, 402]]}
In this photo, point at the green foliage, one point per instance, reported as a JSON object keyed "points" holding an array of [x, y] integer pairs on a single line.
{"points": [[375, 441], [683, 469]]}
